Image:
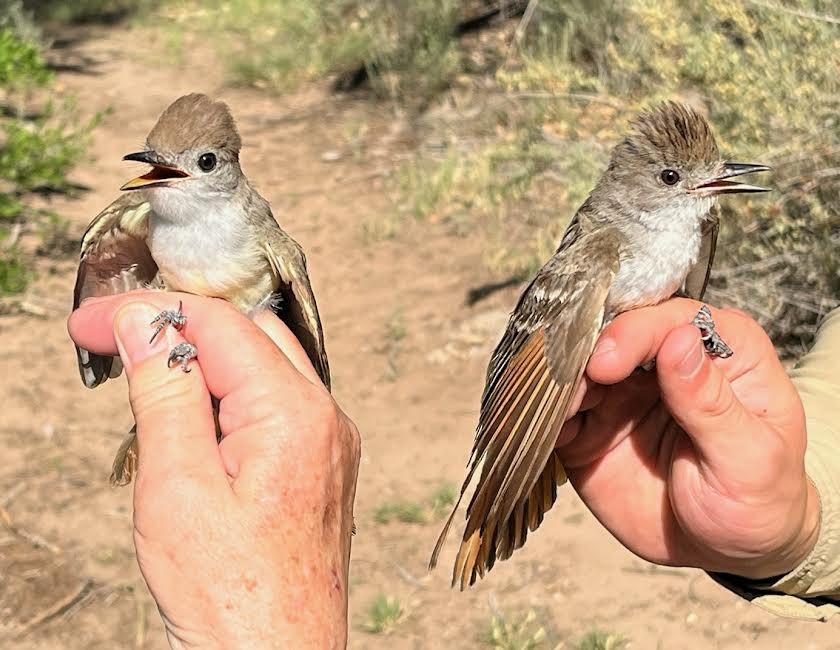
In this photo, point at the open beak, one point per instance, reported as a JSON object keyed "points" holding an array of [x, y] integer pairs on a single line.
{"points": [[719, 184], [161, 173]]}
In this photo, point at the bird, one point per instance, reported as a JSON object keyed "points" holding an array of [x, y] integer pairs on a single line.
{"points": [[194, 223], [648, 231]]}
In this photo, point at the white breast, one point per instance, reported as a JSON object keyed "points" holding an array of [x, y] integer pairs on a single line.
{"points": [[660, 251], [208, 251]]}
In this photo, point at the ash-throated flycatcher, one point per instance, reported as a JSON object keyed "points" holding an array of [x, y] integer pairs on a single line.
{"points": [[193, 223], [646, 232]]}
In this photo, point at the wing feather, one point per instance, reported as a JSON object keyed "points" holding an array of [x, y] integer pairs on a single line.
{"points": [[698, 276], [295, 302], [532, 379], [114, 259]]}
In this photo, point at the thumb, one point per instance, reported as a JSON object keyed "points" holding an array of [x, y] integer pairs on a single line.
{"points": [[698, 395], [175, 425]]}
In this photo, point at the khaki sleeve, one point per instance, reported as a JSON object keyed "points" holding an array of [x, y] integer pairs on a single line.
{"points": [[812, 590]]}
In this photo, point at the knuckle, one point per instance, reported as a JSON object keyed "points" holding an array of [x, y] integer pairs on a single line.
{"points": [[153, 391], [717, 399], [353, 438], [335, 433], [329, 416]]}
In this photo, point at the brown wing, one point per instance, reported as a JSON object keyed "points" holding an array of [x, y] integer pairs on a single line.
{"points": [[698, 277], [294, 301], [532, 378], [114, 259]]}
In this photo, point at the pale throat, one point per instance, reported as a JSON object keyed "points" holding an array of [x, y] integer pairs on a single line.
{"points": [[203, 243], [659, 249]]}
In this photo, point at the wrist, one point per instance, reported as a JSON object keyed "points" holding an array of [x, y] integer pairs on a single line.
{"points": [[793, 553]]}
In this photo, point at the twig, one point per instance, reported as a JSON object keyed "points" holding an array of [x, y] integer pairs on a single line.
{"points": [[140, 627], [13, 237], [583, 97], [56, 609], [493, 604], [520, 29], [32, 309], [405, 575], [10, 496], [31, 305], [38, 540], [796, 12], [754, 267]]}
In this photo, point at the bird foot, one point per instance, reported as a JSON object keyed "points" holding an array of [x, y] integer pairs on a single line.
{"points": [[181, 354], [714, 345], [173, 317]]}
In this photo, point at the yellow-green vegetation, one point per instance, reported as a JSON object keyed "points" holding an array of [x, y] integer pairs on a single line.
{"points": [[523, 634], [513, 191], [37, 148], [600, 640], [405, 512], [383, 615], [766, 74], [525, 130], [443, 499], [410, 512], [406, 47]]}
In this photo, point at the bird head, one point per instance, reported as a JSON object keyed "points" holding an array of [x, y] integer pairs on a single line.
{"points": [[668, 166], [194, 153]]}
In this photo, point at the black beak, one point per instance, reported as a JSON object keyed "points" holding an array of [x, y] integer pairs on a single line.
{"points": [[160, 174], [148, 157], [719, 184]]}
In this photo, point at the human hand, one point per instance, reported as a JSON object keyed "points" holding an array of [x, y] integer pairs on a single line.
{"points": [[245, 543], [702, 462]]}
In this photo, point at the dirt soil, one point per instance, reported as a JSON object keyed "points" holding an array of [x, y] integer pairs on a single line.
{"points": [[408, 359]]}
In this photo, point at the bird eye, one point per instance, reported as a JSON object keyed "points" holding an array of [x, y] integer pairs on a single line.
{"points": [[207, 162], [669, 177]]}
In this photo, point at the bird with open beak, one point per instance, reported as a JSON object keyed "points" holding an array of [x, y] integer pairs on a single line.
{"points": [[647, 232], [194, 223]]}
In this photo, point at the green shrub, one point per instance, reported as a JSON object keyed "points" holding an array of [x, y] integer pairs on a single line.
{"points": [[20, 61], [36, 153], [384, 614], [523, 634]]}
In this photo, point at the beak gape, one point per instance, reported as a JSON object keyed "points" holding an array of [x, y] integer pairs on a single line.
{"points": [[719, 184], [160, 174]]}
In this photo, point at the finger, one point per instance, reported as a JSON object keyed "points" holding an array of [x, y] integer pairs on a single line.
{"points": [[175, 426], [620, 411], [698, 395], [233, 351], [288, 343], [588, 395], [634, 337]]}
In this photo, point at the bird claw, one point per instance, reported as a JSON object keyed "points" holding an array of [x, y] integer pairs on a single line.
{"points": [[181, 354], [714, 344], [173, 317]]}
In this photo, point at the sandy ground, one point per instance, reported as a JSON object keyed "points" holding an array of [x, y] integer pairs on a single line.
{"points": [[408, 360]]}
